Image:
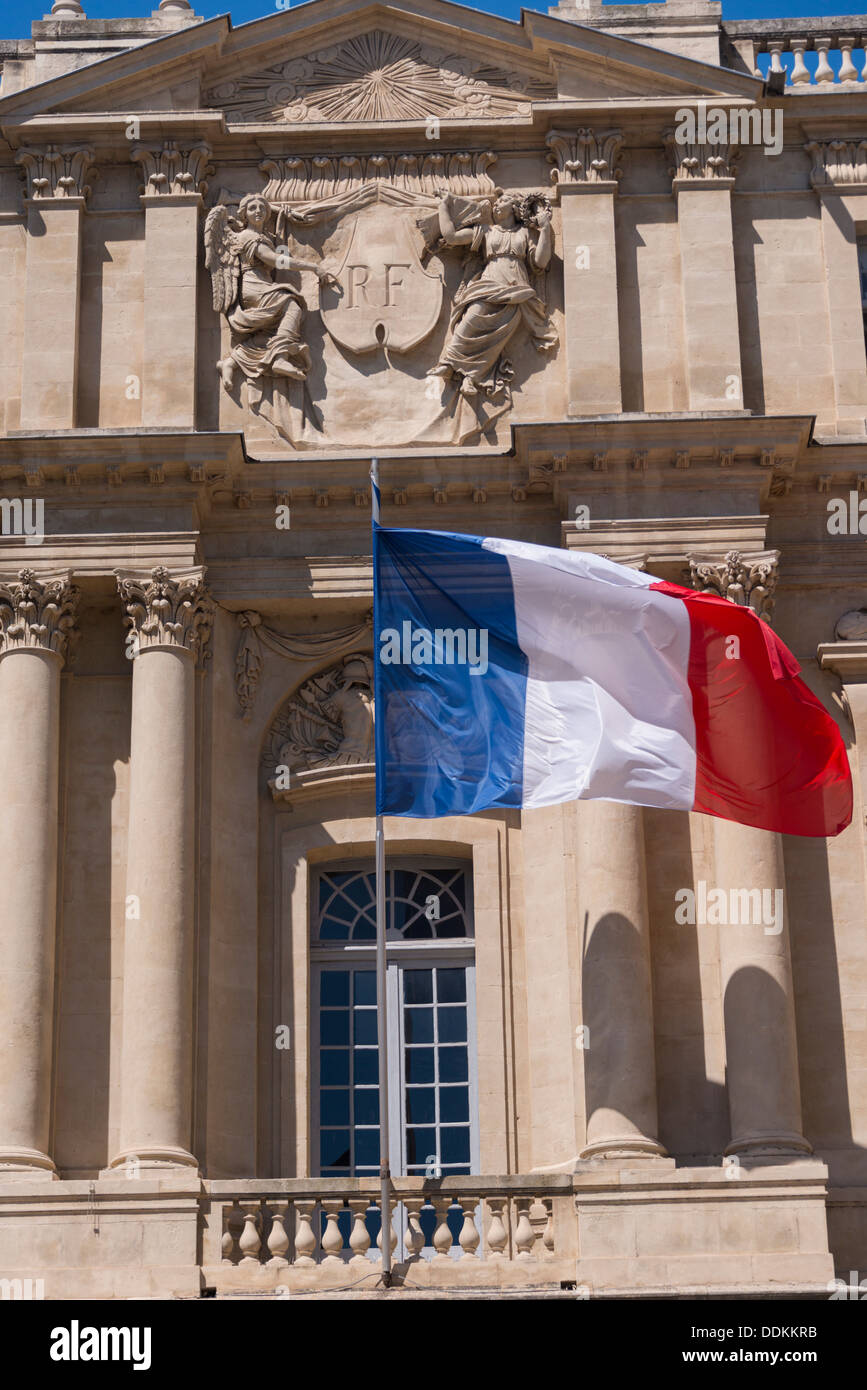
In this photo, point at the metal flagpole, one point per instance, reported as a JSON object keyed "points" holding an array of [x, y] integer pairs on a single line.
{"points": [[381, 984]]}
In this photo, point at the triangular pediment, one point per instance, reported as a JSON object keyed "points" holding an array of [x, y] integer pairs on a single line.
{"points": [[379, 75], [340, 62]]}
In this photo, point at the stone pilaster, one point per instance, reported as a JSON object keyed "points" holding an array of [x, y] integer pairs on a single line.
{"points": [[585, 174], [702, 180], [37, 616], [839, 178], [57, 194], [171, 195], [762, 1080], [169, 619]]}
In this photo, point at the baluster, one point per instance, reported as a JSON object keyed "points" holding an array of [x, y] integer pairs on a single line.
{"points": [[305, 1236], [442, 1236], [233, 1224], [548, 1233], [775, 48], [250, 1241], [414, 1238], [392, 1236], [525, 1236], [359, 1236], [498, 1236], [469, 1237], [278, 1238], [800, 72], [824, 71], [332, 1236], [848, 71]]}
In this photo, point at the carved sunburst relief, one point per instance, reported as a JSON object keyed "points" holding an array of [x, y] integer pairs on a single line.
{"points": [[377, 77]]}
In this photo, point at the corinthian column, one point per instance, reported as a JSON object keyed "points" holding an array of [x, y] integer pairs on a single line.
{"points": [[169, 620], [37, 615], [617, 996], [762, 1081]]}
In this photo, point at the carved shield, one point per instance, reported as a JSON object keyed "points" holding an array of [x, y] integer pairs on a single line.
{"points": [[386, 297]]}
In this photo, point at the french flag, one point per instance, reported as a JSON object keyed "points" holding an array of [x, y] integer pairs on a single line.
{"points": [[515, 675]]}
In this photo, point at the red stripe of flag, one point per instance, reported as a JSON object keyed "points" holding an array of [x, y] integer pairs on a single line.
{"points": [[768, 752]]}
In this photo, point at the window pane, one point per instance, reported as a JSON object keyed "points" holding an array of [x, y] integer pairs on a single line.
{"points": [[420, 1064], [451, 986], [366, 1061], [454, 1145], [421, 1145], [418, 1024], [334, 987], [334, 1027], [364, 987], [365, 1025], [367, 1106], [334, 1148], [334, 1066], [334, 1108], [452, 1024], [454, 1104], [420, 1105], [418, 986], [453, 1063], [366, 1147]]}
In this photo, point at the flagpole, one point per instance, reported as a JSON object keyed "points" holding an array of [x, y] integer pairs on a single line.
{"points": [[381, 985]]}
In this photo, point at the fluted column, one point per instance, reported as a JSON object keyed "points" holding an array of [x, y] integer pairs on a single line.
{"points": [[617, 995], [762, 1081], [585, 174], [169, 620], [37, 615]]}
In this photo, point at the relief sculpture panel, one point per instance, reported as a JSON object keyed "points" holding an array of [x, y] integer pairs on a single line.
{"points": [[380, 299]]}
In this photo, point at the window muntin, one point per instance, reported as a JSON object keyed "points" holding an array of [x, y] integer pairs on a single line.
{"points": [[423, 903]]}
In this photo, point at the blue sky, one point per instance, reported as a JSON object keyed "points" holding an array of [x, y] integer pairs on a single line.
{"points": [[17, 15]]}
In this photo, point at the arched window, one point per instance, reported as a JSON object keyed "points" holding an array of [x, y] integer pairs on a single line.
{"points": [[431, 1011]]}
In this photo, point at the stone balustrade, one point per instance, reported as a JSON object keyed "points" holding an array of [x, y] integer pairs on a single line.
{"points": [[780, 45], [319, 1232]]}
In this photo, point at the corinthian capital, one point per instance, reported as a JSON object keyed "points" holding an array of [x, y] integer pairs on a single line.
{"points": [[167, 611], [704, 160], [749, 580], [57, 171], [37, 613], [167, 169], [837, 163], [584, 156]]}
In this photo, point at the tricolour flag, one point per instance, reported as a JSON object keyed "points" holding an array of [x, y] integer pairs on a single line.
{"points": [[515, 675]]}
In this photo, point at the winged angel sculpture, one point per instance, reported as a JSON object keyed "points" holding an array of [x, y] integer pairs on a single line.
{"points": [[266, 317]]}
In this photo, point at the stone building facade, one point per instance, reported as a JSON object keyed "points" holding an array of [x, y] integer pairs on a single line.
{"points": [[588, 280]]}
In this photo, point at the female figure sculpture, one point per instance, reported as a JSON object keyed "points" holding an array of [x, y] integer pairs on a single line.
{"points": [[489, 309]]}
